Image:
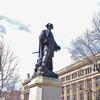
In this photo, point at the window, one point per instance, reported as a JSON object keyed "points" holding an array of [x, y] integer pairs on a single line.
{"points": [[81, 73], [98, 88], [74, 91], [74, 75], [62, 90], [68, 92], [89, 95], [63, 98], [74, 87], [63, 79], [81, 96], [68, 89], [89, 83], [96, 67], [98, 82], [88, 70], [98, 95], [99, 67], [81, 85], [89, 88], [62, 93], [68, 97], [81, 90], [67, 77]]}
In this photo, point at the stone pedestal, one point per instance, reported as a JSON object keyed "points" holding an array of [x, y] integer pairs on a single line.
{"points": [[26, 90], [44, 88]]}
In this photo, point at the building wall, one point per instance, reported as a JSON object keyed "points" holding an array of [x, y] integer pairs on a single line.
{"points": [[15, 95], [80, 82]]}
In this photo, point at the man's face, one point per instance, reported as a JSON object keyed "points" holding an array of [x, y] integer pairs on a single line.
{"points": [[50, 27]]}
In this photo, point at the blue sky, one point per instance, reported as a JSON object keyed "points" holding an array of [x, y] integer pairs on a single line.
{"points": [[70, 18]]}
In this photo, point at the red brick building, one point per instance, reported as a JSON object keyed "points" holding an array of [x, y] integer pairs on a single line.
{"points": [[15, 95]]}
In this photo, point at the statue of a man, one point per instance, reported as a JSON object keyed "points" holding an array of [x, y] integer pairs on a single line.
{"points": [[47, 46]]}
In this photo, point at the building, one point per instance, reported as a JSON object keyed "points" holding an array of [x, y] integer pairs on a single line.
{"points": [[14, 95], [80, 81]]}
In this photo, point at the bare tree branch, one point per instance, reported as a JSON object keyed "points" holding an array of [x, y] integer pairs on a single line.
{"points": [[8, 64], [87, 46]]}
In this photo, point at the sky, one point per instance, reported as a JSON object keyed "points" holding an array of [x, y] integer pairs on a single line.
{"points": [[69, 17]]}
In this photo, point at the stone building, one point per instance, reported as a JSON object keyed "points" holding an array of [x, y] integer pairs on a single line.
{"points": [[80, 81]]}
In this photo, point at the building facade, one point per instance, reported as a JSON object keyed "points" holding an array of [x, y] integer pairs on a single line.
{"points": [[14, 95], [80, 81]]}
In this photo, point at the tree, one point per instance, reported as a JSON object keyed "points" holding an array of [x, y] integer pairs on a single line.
{"points": [[87, 46], [8, 63]]}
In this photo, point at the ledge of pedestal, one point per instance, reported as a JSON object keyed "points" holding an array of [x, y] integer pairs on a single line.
{"points": [[26, 81], [45, 81]]}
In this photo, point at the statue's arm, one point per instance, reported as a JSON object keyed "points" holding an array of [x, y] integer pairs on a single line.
{"points": [[42, 37], [57, 47]]}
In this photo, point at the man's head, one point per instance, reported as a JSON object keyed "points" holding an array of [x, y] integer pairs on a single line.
{"points": [[49, 26]]}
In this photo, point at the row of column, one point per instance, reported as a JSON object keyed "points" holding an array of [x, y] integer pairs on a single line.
{"points": [[84, 91]]}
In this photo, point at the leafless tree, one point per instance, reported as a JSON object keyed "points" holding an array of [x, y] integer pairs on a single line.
{"points": [[8, 63], [87, 46]]}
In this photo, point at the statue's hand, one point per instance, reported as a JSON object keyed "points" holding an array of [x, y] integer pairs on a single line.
{"points": [[58, 47]]}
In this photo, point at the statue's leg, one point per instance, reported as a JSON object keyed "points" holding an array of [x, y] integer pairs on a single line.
{"points": [[45, 58], [38, 64], [49, 64]]}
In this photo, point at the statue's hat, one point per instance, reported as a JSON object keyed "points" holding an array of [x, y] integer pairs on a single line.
{"points": [[49, 25]]}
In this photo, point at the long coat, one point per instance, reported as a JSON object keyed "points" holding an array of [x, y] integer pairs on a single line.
{"points": [[47, 46]]}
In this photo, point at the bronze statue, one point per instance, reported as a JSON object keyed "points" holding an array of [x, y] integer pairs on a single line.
{"points": [[47, 46]]}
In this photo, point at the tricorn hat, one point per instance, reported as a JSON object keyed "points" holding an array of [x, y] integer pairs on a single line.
{"points": [[49, 25]]}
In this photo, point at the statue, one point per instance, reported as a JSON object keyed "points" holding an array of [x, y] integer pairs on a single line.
{"points": [[47, 46]]}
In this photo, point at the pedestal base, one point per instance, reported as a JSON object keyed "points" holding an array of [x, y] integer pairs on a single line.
{"points": [[43, 88]]}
